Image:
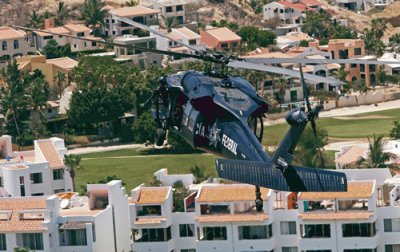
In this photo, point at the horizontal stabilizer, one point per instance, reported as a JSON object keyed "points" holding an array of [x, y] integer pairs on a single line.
{"points": [[293, 178]]}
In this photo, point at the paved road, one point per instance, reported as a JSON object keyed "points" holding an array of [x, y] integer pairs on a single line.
{"points": [[85, 150]]}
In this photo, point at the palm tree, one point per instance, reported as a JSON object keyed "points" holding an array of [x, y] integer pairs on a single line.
{"points": [[170, 22], [61, 13], [341, 74], [379, 26], [60, 78], [281, 85], [35, 20], [38, 94], [376, 157], [381, 75], [72, 163], [131, 3], [92, 13]]}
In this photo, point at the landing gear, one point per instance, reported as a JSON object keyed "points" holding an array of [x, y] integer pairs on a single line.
{"points": [[259, 201], [160, 136]]}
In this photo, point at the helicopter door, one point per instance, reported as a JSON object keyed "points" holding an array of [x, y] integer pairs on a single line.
{"points": [[256, 124], [189, 121]]}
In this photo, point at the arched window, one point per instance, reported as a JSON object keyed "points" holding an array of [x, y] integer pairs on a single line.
{"points": [[16, 44], [4, 45]]}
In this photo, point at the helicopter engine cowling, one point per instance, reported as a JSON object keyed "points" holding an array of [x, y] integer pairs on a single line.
{"points": [[296, 117]]}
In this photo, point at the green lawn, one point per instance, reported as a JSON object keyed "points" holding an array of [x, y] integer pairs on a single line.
{"points": [[136, 170], [355, 127]]}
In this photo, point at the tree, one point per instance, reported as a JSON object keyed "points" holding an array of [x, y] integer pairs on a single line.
{"points": [[72, 163], [303, 43], [381, 75], [180, 192], [155, 182], [373, 45], [53, 50], [131, 3], [60, 78], [92, 13], [379, 25], [144, 129], [61, 13], [170, 22], [37, 94], [256, 37], [395, 131], [310, 147], [35, 20], [281, 86], [198, 173], [376, 157], [359, 86]]}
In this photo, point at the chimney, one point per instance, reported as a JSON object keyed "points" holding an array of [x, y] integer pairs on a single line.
{"points": [[49, 23]]}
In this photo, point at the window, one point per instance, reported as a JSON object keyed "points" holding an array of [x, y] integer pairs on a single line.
{"points": [[1, 182], [353, 65], [357, 51], [362, 67], [37, 194], [288, 227], [391, 225], [372, 68], [192, 42], [58, 174], [358, 229], [94, 43], [252, 232], [80, 34], [392, 248], [289, 249], [85, 44], [343, 54], [333, 54], [59, 190], [33, 241], [22, 185], [317, 231], [224, 45], [73, 237], [186, 230], [36, 178], [60, 36], [16, 44], [359, 250], [319, 250], [4, 45], [47, 37], [149, 210], [168, 9], [179, 8], [3, 245], [152, 234], [214, 233]]}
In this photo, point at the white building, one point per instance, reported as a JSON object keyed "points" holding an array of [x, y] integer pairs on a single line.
{"points": [[391, 69], [138, 14], [137, 57], [170, 8], [33, 173], [14, 43], [291, 11], [67, 222], [77, 45]]}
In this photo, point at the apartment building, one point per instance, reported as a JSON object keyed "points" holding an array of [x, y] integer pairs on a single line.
{"points": [[14, 43], [220, 38], [137, 57], [40, 171], [170, 9], [78, 30], [291, 11], [140, 14], [67, 222]]}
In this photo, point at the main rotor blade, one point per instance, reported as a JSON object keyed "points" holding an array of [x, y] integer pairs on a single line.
{"points": [[146, 28], [139, 48], [278, 70], [318, 61]]}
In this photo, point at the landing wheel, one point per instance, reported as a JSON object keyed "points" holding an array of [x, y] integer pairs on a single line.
{"points": [[259, 201], [160, 136]]}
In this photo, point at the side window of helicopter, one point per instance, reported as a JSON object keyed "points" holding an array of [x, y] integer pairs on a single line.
{"points": [[256, 124]]}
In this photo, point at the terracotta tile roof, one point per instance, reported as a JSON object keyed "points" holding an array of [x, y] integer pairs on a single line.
{"points": [[79, 212], [351, 155], [50, 153], [187, 33], [134, 11], [223, 34], [228, 193], [341, 215], [355, 190], [7, 33], [267, 55], [149, 221], [232, 218], [77, 27], [295, 6], [61, 30], [331, 66], [152, 195], [175, 36], [14, 224], [311, 2], [64, 63]]}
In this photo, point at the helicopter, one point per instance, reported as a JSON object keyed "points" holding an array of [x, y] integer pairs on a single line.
{"points": [[223, 115]]}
